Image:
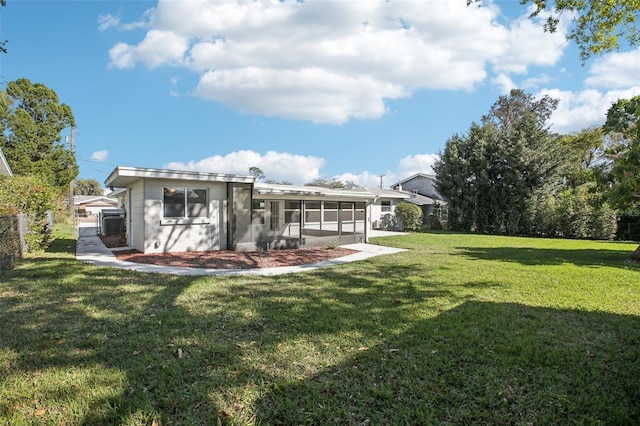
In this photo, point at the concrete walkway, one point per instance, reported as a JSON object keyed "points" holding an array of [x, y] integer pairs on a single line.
{"points": [[90, 249]]}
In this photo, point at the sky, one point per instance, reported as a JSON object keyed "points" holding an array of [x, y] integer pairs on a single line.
{"points": [[348, 89]]}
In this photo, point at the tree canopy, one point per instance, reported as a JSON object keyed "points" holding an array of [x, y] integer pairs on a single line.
{"points": [[32, 120], [334, 183], [257, 173], [598, 26], [87, 187], [490, 175], [623, 127]]}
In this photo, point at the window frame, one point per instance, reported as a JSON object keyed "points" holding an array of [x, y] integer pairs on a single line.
{"points": [[186, 206]]}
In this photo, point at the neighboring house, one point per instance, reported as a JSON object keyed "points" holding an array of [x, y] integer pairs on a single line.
{"points": [[4, 166], [420, 183], [427, 204], [91, 205], [381, 211], [172, 210], [422, 188]]}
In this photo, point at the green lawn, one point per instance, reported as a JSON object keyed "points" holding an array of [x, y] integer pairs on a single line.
{"points": [[461, 329]]}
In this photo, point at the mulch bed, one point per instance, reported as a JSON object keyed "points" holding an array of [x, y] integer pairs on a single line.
{"points": [[226, 259]]}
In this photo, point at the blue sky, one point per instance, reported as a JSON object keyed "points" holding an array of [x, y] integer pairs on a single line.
{"points": [[351, 89]]}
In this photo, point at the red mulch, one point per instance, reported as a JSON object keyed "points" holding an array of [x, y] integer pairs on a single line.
{"points": [[226, 259]]}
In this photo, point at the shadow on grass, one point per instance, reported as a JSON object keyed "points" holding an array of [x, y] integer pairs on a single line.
{"points": [[62, 245], [548, 256], [479, 363], [115, 347], [140, 349]]}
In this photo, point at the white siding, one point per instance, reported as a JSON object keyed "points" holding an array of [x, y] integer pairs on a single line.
{"points": [[136, 205], [203, 234], [385, 219]]}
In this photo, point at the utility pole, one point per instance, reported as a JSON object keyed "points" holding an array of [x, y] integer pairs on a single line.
{"points": [[380, 176]]}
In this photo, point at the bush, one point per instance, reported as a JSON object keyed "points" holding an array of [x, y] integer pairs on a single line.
{"points": [[410, 215], [33, 196]]}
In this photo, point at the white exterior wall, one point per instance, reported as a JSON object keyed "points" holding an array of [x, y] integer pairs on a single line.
{"points": [[134, 205], [198, 234], [375, 213]]}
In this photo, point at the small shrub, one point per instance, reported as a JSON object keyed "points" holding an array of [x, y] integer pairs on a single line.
{"points": [[410, 215]]}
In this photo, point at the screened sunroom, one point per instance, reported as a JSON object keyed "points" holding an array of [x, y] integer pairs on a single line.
{"points": [[286, 216]]}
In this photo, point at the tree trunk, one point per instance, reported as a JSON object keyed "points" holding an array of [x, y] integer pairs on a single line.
{"points": [[635, 256]]}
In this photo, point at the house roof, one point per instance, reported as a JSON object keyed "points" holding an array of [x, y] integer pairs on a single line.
{"points": [[421, 200], [4, 165], [389, 193], [413, 177], [93, 199], [122, 176], [268, 190]]}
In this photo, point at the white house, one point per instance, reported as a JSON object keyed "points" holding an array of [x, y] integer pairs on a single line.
{"points": [[173, 210], [382, 209], [4, 166], [91, 205]]}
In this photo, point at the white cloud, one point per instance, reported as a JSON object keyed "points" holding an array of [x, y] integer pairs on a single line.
{"points": [[100, 155], [277, 166], [158, 48], [311, 94], [113, 21], [586, 108], [504, 83], [408, 166], [301, 169], [108, 21], [526, 44], [418, 163], [330, 62], [616, 71]]}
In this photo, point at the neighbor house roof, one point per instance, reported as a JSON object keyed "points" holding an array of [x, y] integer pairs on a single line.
{"points": [[122, 176], [421, 200], [389, 193], [269, 190], [4, 165], [413, 177], [93, 199]]}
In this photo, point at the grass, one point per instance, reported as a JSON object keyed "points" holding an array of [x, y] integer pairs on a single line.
{"points": [[461, 329]]}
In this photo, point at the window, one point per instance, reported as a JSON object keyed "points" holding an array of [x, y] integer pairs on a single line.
{"points": [[386, 205], [185, 202]]}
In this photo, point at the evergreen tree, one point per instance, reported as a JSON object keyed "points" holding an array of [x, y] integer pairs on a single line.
{"points": [[32, 120]]}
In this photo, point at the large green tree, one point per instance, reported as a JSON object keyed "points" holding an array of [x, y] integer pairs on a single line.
{"points": [[598, 27], [623, 129], [490, 174], [32, 122]]}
